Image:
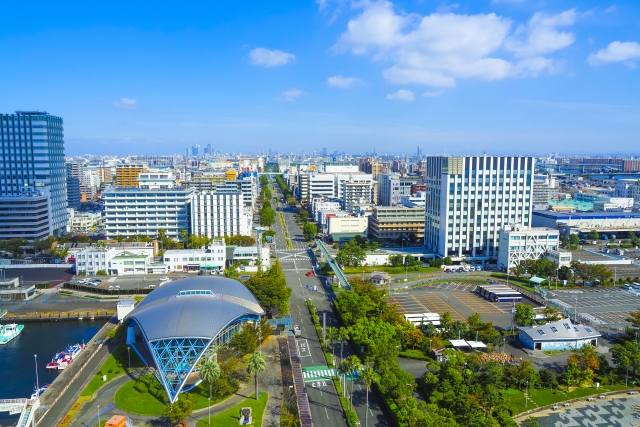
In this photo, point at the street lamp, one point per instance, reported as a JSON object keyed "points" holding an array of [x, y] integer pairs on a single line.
{"points": [[430, 340], [526, 395], [35, 356], [129, 354]]}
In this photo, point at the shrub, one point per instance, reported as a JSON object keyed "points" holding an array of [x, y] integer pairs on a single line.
{"points": [[352, 418], [110, 371]]}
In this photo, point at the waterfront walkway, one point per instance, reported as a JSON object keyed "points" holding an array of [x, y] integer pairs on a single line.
{"points": [[66, 389], [269, 381]]}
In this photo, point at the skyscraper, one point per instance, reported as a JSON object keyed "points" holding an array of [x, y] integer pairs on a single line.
{"points": [[469, 199], [75, 171], [31, 158]]}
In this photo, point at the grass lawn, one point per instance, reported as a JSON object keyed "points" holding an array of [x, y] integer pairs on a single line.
{"points": [[230, 417], [414, 354], [131, 400], [115, 365]]}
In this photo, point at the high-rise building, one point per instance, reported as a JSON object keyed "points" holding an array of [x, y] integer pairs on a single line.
{"points": [[469, 199], [127, 175], [419, 151], [195, 150], [208, 150], [32, 162], [75, 171], [219, 214], [391, 188]]}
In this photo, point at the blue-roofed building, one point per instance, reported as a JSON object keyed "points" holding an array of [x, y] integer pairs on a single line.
{"points": [[560, 335], [183, 322], [606, 223]]}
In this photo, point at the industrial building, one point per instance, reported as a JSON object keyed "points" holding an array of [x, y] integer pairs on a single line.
{"points": [[608, 224], [560, 335], [182, 324]]}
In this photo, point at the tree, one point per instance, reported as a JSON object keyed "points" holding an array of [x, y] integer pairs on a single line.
{"points": [[309, 230], [42, 245], [548, 378], [351, 255], [447, 260], [524, 315], [331, 335], [183, 235], [246, 341], [565, 273], [179, 410], [531, 422], [601, 273], [634, 318], [593, 235], [209, 372], [552, 314], [343, 369], [60, 253], [343, 335], [633, 238], [270, 288], [267, 216], [354, 367], [240, 241], [255, 366], [574, 239], [369, 376], [15, 246]]}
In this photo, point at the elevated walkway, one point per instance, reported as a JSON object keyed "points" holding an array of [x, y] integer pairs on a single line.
{"points": [[25, 407], [342, 279], [13, 406]]}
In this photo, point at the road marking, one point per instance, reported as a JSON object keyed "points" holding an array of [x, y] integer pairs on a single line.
{"points": [[325, 411], [303, 348]]}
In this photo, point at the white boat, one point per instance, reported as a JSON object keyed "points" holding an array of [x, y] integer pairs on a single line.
{"points": [[9, 332]]}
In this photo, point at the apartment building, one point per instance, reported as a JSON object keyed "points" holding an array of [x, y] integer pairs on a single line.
{"points": [[391, 188], [74, 171], [355, 189], [214, 257], [469, 199], [219, 214], [519, 243], [391, 222], [127, 175], [26, 215]]}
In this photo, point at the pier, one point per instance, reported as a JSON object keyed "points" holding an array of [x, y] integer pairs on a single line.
{"points": [[56, 316]]}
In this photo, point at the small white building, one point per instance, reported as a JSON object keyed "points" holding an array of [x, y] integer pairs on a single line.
{"points": [[249, 255], [560, 335], [562, 258], [194, 260], [123, 308], [519, 243]]}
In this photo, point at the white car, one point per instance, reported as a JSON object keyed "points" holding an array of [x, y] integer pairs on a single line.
{"points": [[164, 279], [82, 281], [296, 331]]}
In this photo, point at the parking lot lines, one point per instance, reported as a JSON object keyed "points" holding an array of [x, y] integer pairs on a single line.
{"points": [[603, 300], [401, 308], [611, 316], [438, 305], [478, 305]]}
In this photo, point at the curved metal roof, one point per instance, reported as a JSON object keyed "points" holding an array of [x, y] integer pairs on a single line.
{"points": [[171, 311]]}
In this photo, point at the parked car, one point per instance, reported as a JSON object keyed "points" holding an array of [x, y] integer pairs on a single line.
{"points": [[110, 287], [296, 331], [98, 281], [164, 279], [309, 274], [82, 281]]}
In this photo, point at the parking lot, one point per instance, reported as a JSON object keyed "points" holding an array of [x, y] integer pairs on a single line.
{"points": [[455, 297], [603, 307]]}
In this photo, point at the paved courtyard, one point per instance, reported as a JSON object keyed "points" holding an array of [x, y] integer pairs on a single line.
{"points": [[618, 411]]}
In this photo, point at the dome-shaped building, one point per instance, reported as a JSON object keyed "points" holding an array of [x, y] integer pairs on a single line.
{"points": [[173, 327]]}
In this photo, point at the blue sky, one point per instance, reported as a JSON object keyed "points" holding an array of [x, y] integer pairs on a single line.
{"points": [[519, 77]]}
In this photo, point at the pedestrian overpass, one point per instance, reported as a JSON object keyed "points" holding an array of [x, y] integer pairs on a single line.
{"points": [[342, 279]]}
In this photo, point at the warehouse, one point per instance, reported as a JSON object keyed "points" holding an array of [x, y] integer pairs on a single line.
{"points": [[560, 335]]}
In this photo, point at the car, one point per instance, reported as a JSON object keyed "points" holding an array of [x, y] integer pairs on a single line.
{"points": [[297, 331], [309, 274], [110, 287], [117, 286], [200, 273], [82, 281], [164, 279], [98, 281]]}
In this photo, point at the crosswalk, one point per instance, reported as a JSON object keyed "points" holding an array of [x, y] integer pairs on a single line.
{"points": [[323, 373]]}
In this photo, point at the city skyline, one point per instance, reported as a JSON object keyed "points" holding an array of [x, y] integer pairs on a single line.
{"points": [[465, 78]]}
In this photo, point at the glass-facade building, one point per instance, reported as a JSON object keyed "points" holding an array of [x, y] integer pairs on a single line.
{"points": [[32, 157]]}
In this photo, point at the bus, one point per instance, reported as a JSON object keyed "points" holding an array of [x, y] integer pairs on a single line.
{"points": [[485, 290], [505, 296], [423, 319], [635, 285]]}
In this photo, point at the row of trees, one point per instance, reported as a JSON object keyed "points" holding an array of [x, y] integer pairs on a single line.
{"points": [[599, 274], [270, 289]]}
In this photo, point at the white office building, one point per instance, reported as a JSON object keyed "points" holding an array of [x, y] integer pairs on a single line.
{"points": [[320, 185], [213, 258], [219, 214], [391, 188], [32, 157], [156, 204], [469, 199], [519, 243], [355, 189]]}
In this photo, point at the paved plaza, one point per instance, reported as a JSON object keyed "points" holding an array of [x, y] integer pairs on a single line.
{"points": [[622, 412]]}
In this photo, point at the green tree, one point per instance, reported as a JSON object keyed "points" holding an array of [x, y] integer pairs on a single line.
{"points": [[309, 230], [601, 273], [179, 410], [552, 314], [633, 238], [548, 378], [369, 376], [565, 273], [209, 373], [531, 422], [15, 246], [267, 216], [447, 260], [270, 288], [524, 315], [42, 245], [246, 341], [593, 235], [331, 335], [60, 252], [255, 366], [240, 240], [351, 255], [354, 368], [197, 242], [574, 239], [183, 236]]}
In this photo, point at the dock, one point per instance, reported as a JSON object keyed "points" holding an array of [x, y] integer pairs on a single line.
{"points": [[55, 316]]}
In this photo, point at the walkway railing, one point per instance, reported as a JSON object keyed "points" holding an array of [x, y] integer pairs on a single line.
{"points": [[342, 279], [304, 411], [13, 406]]}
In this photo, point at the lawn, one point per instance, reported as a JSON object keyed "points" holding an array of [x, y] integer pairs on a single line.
{"points": [[230, 417], [152, 402], [414, 354], [115, 365]]}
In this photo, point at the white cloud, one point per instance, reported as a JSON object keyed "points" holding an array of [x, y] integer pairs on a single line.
{"points": [[616, 52], [290, 95], [270, 58], [344, 82], [437, 49], [402, 95], [541, 36], [433, 94], [126, 103]]}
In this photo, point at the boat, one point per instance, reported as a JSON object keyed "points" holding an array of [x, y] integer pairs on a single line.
{"points": [[9, 332], [39, 391], [62, 360]]}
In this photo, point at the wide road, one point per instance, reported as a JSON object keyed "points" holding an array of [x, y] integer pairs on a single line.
{"points": [[325, 405]]}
